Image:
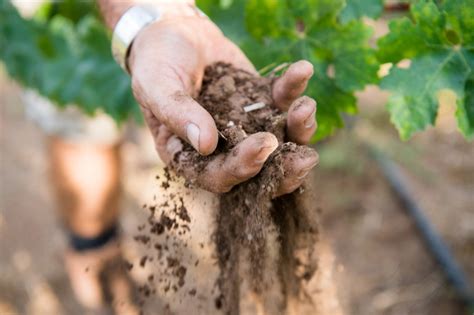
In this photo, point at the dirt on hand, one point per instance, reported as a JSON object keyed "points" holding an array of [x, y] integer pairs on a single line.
{"points": [[264, 243], [263, 246]]}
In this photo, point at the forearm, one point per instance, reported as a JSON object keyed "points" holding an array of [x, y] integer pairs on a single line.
{"points": [[112, 10]]}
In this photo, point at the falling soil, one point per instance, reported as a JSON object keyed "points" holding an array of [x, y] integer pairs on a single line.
{"points": [[263, 244], [266, 243], [166, 220]]}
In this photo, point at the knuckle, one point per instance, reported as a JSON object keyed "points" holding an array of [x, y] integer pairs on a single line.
{"points": [[242, 172]]}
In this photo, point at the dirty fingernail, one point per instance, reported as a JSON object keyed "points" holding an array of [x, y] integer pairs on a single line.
{"points": [[305, 171], [263, 154], [309, 168], [310, 121], [192, 133], [303, 174]]}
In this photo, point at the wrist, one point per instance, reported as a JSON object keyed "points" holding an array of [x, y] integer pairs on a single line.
{"points": [[112, 10], [141, 17]]}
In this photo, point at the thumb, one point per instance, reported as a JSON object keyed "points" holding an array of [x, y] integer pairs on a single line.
{"points": [[164, 94]]}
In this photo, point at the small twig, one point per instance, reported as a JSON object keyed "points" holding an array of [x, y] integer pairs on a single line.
{"points": [[222, 135], [280, 67], [256, 106], [266, 69]]}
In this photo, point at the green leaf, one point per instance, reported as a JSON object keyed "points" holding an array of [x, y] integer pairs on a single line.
{"points": [[414, 102], [408, 38], [67, 60], [230, 19], [347, 46], [331, 102], [460, 15], [277, 31], [438, 40], [356, 9], [225, 4], [315, 11], [267, 18]]}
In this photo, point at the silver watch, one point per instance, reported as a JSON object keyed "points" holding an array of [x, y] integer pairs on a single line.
{"points": [[134, 20]]}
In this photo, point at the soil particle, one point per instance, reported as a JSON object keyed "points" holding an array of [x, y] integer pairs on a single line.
{"points": [[165, 221], [181, 273], [265, 242], [172, 262], [143, 261], [144, 239], [256, 236]]}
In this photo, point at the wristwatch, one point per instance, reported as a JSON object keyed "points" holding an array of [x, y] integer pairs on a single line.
{"points": [[136, 19]]}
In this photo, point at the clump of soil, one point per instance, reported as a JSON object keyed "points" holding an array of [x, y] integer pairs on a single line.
{"points": [[260, 241], [263, 244], [165, 222]]}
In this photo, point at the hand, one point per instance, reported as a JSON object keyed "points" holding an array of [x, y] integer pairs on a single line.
{"points": [[167, 64]]}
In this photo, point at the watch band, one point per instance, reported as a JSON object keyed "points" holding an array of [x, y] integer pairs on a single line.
{"points": [[137, 18], [128, 27]]}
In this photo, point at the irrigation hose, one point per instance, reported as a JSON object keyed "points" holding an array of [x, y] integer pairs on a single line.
{"points": [[453, 272]]}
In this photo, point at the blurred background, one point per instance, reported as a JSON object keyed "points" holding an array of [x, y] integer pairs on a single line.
{"points": [[381, 264]]}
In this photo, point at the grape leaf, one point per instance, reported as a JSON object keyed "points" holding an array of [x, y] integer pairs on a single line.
{"points": [[356, 9], [66, 62], [267, 18], [440, 43], [277, 31]]}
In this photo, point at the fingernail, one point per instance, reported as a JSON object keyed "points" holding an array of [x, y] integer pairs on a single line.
{"points": [[310, 121], [263, 154], [309, 168], [303, 174], [305, 171], [192, 133]]}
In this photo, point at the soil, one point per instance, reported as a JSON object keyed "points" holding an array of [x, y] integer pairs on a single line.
{"points": [[171, 215], [256, 237]]}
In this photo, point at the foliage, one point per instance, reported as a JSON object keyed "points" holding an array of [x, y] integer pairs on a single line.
{"points": [[356, 9], [439, 41], [274, 31], [437, 38], [64, 54], [68, 62]]}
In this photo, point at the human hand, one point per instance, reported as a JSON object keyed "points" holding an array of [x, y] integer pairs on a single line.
{"points": [[167, 63]]}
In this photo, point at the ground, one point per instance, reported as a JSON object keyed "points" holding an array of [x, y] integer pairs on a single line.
{"points": [[382, 265]]}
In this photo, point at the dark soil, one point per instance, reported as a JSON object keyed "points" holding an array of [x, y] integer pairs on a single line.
{"points": [[263, 242], [167, 219]]}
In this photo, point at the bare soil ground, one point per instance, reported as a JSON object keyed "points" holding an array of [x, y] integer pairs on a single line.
{"points": [[382, 265]]}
